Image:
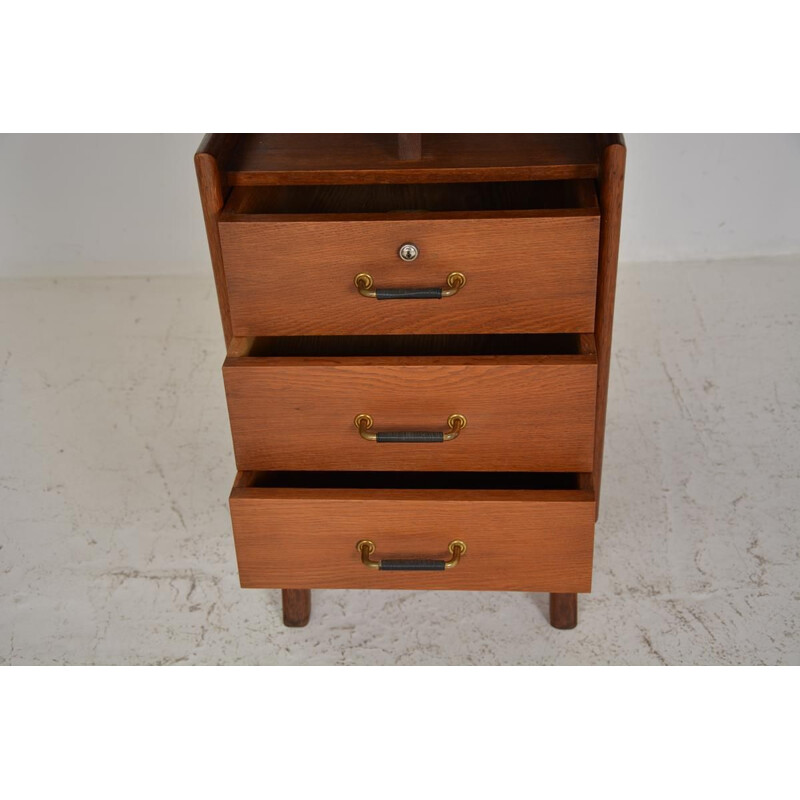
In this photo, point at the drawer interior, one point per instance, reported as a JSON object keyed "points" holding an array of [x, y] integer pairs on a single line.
{"points": [[388, 199], [477, 481], [566, 344]]}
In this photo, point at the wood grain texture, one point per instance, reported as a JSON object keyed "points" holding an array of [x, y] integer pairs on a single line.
{"points": [[529, 413], [409, 146], [516, 540], [240, 345], [313, 158], [523, 275], [611, 185], [291, 218], [213, 192], [564, 610], [296, 607]]}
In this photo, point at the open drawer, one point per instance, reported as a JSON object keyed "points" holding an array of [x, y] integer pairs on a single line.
{"points": [[525, 532], [527, 403], [514, 257]]}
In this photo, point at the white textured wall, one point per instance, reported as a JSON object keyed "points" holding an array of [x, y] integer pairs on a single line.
{"points": [[118, 204], [100, 204], [708, 196]]}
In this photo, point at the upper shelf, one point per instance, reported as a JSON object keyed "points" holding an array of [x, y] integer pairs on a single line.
{"points": [[260, 159]]}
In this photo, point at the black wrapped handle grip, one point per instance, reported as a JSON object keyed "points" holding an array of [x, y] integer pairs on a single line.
{"points": [[411, 565], [454, 282], [419, 437], [366, 547], [455, 424], [408, 294]]}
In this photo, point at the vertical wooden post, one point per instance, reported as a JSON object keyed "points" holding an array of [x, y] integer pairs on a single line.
{"points": [[612, 177], [214, 148], [409, 146]]}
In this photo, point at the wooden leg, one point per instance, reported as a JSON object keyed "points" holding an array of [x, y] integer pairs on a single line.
{"points": [[296, 607], [563, 610]]}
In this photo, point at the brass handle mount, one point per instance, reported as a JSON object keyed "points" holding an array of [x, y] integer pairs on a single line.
{"points": [[366, 547], [455, 281], [455, 424]]}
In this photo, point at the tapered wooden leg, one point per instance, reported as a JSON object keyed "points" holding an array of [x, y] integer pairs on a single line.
{"points": [[563, 610], [296, 607]]}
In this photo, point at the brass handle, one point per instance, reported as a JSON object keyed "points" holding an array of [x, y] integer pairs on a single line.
{"points": [[455, 282], [366, 547], [455, 422]]}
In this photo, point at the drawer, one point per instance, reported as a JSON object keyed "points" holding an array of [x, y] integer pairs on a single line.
{"points": [[525, 410], [522, 532], [528, 253]]}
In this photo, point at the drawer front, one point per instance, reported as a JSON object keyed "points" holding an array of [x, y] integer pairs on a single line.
{"points": [[534, 541], [529, 274], [523, 413]]}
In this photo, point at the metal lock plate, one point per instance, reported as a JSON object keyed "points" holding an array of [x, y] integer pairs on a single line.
{"points": [[408, 252]]}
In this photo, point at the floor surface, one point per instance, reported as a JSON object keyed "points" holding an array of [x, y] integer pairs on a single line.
{"points": [[116, 462]]}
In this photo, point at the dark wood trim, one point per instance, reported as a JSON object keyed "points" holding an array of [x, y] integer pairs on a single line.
{"points": [[296, 607], [563, 610], [610, 187], [220, 146], [209, 161], [316, 159], [409, 146]]}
